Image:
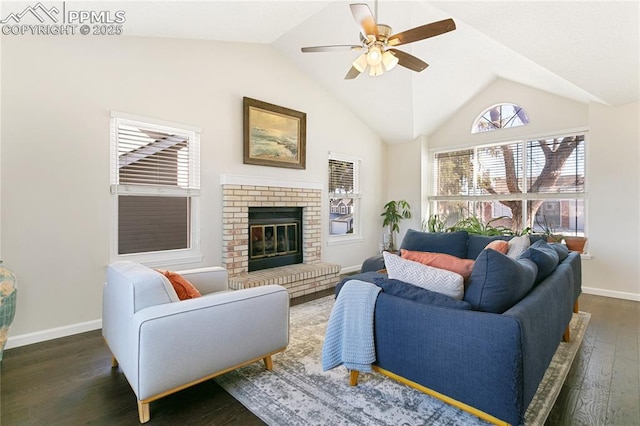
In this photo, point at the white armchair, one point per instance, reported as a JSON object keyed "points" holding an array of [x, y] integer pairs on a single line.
{"points": [[164, 345]]}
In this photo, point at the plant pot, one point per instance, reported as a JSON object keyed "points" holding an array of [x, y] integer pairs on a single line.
{"points": [[575, 243]]}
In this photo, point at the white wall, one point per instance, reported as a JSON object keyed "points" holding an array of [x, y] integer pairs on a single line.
{"points": [[613, 172], [57, 94]]}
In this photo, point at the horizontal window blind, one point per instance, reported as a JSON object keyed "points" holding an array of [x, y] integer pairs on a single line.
{"points": [[342, 177], [148, 224], [453, 172]]}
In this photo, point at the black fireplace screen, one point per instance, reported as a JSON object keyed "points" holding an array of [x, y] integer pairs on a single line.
{"points": [[275, 237], [273, 240]]}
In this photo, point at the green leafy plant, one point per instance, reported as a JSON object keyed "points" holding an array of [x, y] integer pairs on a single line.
{"points": [[474, 225], [435, 223], [548, 230], [394, 212]]}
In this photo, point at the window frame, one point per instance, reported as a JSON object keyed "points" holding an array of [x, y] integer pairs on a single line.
{"points": [[525, 196], [190, 254], [356, 235]]}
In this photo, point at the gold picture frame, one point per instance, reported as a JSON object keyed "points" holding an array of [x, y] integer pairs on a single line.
{"points": [[273, 135]]}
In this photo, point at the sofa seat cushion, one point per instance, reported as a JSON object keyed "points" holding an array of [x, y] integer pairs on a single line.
{"points": [[440, 260], [418, 294], [453, 243], [434, 279], [498, 282], [544, 256]]}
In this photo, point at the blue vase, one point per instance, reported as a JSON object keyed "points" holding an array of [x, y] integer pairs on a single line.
{"points": [[8, 290]]}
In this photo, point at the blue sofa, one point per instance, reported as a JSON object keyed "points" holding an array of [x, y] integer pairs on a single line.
{"points": [[488, 363]]}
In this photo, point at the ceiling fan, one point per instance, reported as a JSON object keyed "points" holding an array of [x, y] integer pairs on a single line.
{"points": [[379, 44]]}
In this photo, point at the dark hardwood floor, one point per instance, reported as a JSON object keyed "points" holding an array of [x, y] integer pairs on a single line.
{"points": [[69, 381]]}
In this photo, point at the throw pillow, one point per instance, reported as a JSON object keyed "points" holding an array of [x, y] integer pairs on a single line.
{"points": [[544, 256], [453, 243], [477, 243], [561, 249], [498, 281], [517, 245], [418, 294], [440, 260], [499, 245], [184, 289], [434, 279]]}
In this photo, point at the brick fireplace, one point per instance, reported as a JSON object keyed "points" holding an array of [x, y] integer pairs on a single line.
{"points": [[239, 193]]}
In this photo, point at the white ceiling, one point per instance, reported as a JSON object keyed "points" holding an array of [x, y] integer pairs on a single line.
{"points": [[582, 50]]}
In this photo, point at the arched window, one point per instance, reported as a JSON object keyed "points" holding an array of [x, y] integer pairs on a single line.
{"points": [[500, 116]]}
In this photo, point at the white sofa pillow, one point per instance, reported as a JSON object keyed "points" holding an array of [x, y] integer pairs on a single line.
{"points": [[434, 279], [517, 246]]}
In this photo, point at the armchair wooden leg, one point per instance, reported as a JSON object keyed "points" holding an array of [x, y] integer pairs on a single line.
{"points": [[575, 307], [353, 377], [268, 363], [566, 337], [143, 411], [114, 362]]}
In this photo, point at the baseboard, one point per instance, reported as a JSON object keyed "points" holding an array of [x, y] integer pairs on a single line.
{"points": [[350, 269], [611, 293], [52, 333]]}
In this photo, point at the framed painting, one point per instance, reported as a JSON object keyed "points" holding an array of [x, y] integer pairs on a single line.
{"points": [[273, 135]]}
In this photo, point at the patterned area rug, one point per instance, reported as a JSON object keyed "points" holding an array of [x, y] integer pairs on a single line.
{"points": [[298, 392]]}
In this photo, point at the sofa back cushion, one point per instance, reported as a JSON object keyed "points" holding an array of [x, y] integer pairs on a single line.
{"points": [[477, 243], [544, 256], [453, 243], [434, 279], [418, 294], [498, 282]]}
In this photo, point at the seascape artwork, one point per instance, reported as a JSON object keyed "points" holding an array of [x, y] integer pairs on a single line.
{"points": [[273, 136]]}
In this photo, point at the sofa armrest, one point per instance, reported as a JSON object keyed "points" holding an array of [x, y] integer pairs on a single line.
{"points": [[372, 264], [210, 334], [208, 280]]}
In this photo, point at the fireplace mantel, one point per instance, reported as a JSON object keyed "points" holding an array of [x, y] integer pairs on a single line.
{"points": [[230, 179]]}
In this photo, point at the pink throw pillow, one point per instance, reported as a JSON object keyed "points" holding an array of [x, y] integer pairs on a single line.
{"points": [[441, 261], [498, 245]]}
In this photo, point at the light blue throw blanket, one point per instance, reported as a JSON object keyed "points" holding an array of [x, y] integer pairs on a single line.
{"points": [[349, 337]]}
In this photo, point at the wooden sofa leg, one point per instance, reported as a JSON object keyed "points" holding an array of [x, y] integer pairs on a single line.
{"points": [[114, 362], [268, 363], [566, 337], [143, 411], [575, 307], [353, 378]]}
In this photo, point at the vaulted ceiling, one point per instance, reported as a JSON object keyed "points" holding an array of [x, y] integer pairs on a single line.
{"points": [[587, 51]]}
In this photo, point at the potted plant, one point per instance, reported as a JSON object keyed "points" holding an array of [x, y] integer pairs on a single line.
{"points": [[548, 231], [575, 243], [394, 212]]}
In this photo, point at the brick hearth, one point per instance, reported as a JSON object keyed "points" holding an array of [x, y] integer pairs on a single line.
{"points": [[237, 196]]}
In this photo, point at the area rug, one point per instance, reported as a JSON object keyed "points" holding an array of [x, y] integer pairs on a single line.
{"points": [[298, 392]]}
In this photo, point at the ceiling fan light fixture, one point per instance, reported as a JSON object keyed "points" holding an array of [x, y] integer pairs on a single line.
{"points": [[361, 63], [374, 56], [376, 70], [389, 60]]}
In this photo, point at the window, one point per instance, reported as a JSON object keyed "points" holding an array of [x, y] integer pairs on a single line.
{"points": [[344, 194], [155, 184], [537, 183], [499, 117]]}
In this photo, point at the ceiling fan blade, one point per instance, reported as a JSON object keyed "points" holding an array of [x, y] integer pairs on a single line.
{"points": [[422, 32], [353, 73], [363, 16], [334, 48], [409, 61]]}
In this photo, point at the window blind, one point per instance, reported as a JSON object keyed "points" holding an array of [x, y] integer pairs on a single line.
{"points": [[342, 177]]}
